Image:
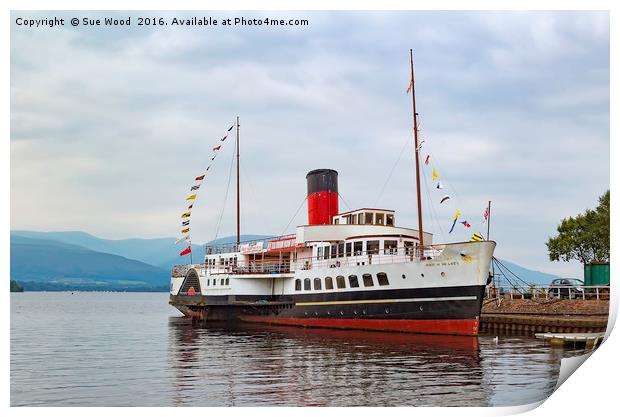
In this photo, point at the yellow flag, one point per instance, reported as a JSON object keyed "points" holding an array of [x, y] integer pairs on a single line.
{"points": [[434, 174], [184, 215], [476, 237], [191, 197], [457, 214]]}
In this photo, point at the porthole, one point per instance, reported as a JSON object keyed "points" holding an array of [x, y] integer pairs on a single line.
{"points": [[421, 308], [404, 276], [443, 274], [341, 313], [305, 313], [387, 310], [355, 312], [329, 314], [316, 313], [422, 275], [364, 312]]}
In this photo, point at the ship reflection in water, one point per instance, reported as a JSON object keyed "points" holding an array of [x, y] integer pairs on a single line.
{"points": [[248, 365]]}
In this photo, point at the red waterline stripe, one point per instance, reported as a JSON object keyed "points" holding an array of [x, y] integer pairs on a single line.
{"points": [[456, 327]]}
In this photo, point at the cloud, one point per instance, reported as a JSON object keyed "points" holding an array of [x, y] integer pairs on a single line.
{"points": [[108, 127]]}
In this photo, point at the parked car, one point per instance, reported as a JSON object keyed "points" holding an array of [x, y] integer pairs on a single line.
{"points": [[566, 288]]}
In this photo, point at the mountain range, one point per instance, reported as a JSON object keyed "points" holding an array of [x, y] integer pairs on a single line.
{"points": [[78, 260]]}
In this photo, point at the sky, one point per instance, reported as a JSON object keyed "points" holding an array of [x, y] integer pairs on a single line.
{"points": [[110, 125]]}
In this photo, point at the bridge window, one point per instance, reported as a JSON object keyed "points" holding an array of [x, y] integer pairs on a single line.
{"points": [[222, 281], [383, 279], [408, 247], [329, 283], [389, 220], [334, 248], [340, 282], [227, 281], [325, 252], [360, 218], [340, 250], [372, 247], [389, 247], [307, 284], [319, 252], [348, 250], [368, 218], [357, 248], [353, 282], [367, 278], [297, 285], [317, 283], [379, 218]]}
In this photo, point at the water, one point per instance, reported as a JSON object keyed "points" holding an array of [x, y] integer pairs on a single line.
{"points": [[130, 349]]}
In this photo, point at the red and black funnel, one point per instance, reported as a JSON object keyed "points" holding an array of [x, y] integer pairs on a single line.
{"points": [[322, 196]]}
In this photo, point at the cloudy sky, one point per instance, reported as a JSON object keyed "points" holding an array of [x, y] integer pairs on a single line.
{"points": [[109, 126]]}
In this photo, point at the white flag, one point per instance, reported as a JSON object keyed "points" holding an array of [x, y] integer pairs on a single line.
{"points": [[183, 239]]}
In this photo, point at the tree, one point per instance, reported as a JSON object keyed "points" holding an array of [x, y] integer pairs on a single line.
{"points": [[584, 237]]}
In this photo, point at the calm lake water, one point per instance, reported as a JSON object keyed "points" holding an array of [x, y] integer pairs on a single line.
{"points": [[132, 349]]}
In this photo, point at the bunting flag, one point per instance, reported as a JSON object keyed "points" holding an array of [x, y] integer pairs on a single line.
{"points": [[439, 185], [434, 177], [445, 198], [217, 148], [185, 230], [183, 239], [191, 197], [191, 206], [224, 138], [185, 223], [466, 224], [200, 178], [456, 216], [476, 237], [428, 158], [208, 168], [409, 86], [420, 145], [230, 128], [186, 251], [195, 187], [212, 159], [185, 215]]}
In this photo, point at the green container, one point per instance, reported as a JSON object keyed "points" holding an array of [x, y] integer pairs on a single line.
{"points": [[596, 274]]}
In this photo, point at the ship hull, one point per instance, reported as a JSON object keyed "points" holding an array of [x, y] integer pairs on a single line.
{"points": [[438, 310]]}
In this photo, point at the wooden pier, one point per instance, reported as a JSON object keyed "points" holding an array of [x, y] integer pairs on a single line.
{"points": [[588, 340]]}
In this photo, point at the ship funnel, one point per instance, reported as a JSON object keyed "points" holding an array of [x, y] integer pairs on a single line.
{"points": [[322, 196]]}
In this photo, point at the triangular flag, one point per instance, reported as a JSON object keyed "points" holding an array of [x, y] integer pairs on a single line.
{"points": [[230, 128], [409, 86], [428, 158], [447, 197], [185, 223], [184, 215], [208, 168], [420, 145], [195, 187], [213, 158], [466, 224], [186, 251], [200, 178], [191, 197], [476, 237], [224, 138], [183, 239], [457, 213], [190, 207], [185, 230], [217, 148], [434, 177], [439, 185]]}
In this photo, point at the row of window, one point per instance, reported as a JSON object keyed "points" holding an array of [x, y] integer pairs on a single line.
{"points": [[338, 250], [212, 262], [341, 283], [367, 218], [223, 281]]}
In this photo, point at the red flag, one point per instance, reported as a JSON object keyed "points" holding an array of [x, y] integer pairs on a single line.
{"points": [[186, 251], [217, 148], [200, 178], [409, 86], [428, 158], [190, 206], [486, 214]]}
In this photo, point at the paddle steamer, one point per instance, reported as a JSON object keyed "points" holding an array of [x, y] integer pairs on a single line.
{"points": [[351, 270]]}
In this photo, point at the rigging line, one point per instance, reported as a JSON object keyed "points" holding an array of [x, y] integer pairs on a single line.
{"points": [[512, 273], [219, 222], [432, 206], [402, 151], [294, 215], [343, 200]]}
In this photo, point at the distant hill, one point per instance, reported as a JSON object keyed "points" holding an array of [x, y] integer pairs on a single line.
{"points": [[49, 261], [159, 252], [528, 275]]}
